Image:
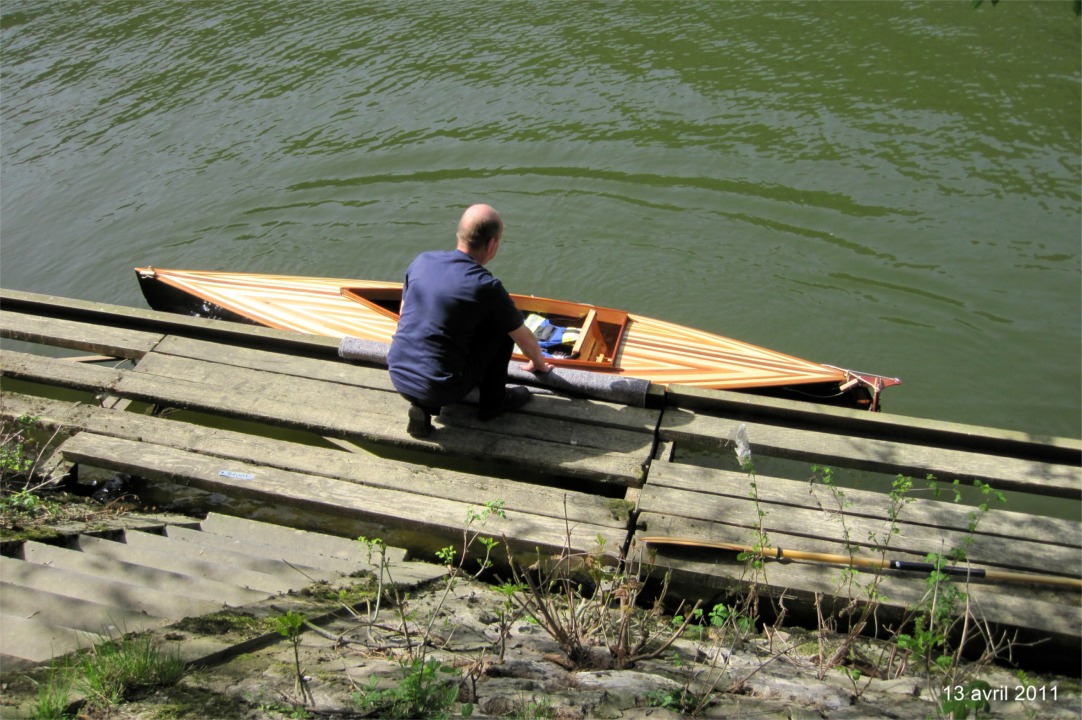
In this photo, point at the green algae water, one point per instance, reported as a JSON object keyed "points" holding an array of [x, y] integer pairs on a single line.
{"points": [[890, 187]]}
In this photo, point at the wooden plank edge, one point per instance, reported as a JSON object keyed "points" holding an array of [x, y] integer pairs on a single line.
{"points": [[800, 582], [169, 323], [864, 503], [377, 505], [879, 425]]}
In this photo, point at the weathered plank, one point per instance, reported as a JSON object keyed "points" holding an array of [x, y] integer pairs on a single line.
{"points": [[366, 470], [348, 398], [600, 454], [878, 455], [434, 517], [51, 306], [923, 511], [1049, 613], [579, 410], [57, 372], [101, 339], [914, 540], [284, 363], [883, 425]]}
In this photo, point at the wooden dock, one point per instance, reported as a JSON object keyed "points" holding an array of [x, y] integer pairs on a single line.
{"points": [[279, 418]]}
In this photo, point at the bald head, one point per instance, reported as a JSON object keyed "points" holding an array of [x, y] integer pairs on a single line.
{"points": [[479, 225]]}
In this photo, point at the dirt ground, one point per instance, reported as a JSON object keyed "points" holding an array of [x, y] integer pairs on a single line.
{"points": [[771, 675]]}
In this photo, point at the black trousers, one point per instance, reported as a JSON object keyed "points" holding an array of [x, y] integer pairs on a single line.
{"points": [[486, 370]]}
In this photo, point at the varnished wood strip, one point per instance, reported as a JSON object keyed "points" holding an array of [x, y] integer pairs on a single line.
{"points": [[657, 351]]}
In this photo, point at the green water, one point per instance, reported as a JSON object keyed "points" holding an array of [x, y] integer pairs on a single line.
{"points": [[891, 187]]}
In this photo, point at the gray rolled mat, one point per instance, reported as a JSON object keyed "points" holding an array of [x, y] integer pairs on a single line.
{"points": [[352, 348], [613, 388]]}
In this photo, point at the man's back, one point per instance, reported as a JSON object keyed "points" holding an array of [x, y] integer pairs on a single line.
{"points": [[449, 301]]}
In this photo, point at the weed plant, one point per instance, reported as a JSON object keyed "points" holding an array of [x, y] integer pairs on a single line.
{"points": [[426, 690], [107, 675], [117, 668], [21, 454]]}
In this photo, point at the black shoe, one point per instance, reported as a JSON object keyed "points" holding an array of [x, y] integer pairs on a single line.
{"points": [[420, 422], [513, 398]]}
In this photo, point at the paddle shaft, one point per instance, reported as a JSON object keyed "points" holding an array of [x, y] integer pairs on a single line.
{"points": [[873, 563]]}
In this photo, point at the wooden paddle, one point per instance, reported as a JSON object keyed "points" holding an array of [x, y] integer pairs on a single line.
{"points": [[770, 553]]}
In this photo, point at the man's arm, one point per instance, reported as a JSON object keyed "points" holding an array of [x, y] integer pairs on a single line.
{"points": [[527, 343]]}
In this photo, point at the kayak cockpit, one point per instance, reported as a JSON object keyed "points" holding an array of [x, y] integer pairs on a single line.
{"points": [[571, 334]]}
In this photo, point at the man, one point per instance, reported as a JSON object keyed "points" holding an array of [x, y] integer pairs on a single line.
{"points": [[458, 327]]}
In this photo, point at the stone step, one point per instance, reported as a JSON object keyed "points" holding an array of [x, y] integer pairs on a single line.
{"points": [[73, 612], [266, 555], [109, 568], [34, 641], [246, 559], [56, 600], [101, 590], [175, 560], [278, 535]]}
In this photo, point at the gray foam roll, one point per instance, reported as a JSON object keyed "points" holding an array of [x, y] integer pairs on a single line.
{"points": [[372, 351], [603, 386]]}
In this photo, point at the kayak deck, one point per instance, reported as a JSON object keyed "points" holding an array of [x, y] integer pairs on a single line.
{"points": [[611, 341]]}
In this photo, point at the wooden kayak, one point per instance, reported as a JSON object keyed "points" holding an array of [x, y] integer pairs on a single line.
{"points": [[602, 339]]}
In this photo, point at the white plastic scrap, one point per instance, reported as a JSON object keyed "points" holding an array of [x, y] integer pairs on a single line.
{"points": [[743, 447]]}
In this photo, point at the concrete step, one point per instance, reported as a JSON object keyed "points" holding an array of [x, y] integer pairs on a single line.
{"points": [[109, 568], [101, 590], [56, 600], [174, 559], [311, 546], [73, 612], [246, 558], [34, 641], [297, 556], [280, 536]]}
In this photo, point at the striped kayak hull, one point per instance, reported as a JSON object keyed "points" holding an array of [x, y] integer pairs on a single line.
{"points": [[661, 352]]}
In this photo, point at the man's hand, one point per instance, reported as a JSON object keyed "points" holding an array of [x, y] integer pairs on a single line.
{"points": [[527, 342], [530, 366]]}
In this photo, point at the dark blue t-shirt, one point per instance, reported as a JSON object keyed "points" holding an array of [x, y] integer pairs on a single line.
{"points": [[451, 304]]}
